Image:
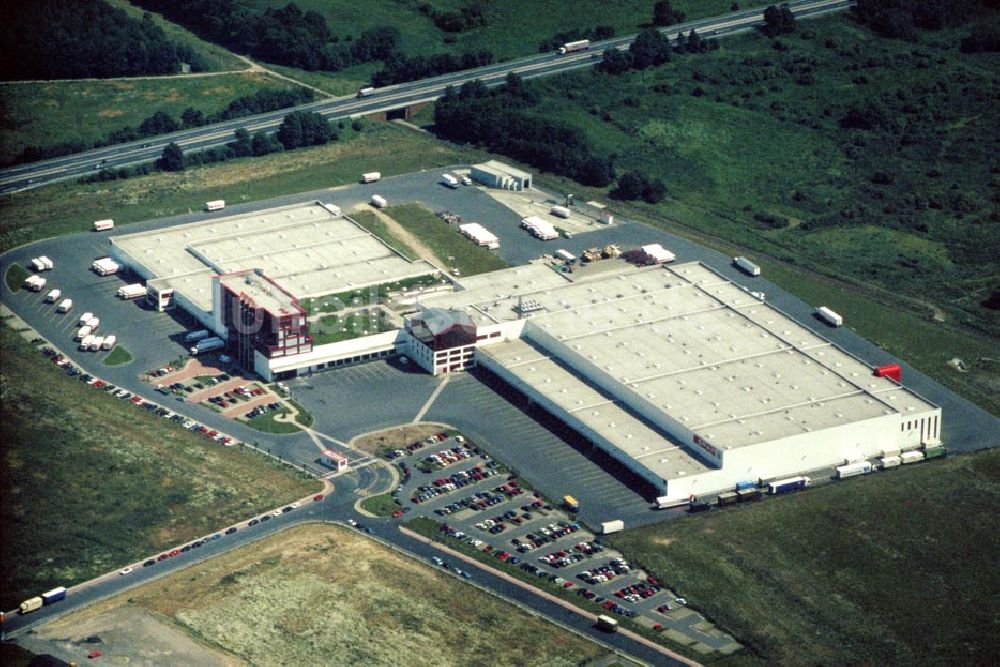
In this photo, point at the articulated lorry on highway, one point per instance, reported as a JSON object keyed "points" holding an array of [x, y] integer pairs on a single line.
{"points": [[572, 47], [746, 266], [830, 317], [45, 599]]}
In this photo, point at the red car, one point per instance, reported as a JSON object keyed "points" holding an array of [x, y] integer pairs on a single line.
{"points": [[175, 552], [318, 497]]}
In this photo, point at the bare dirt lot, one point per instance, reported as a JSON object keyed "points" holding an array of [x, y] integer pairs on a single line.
{"points": [[316, 594], [394, 438]]}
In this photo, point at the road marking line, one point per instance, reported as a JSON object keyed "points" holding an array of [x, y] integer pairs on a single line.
{"points": [[430, 401]]}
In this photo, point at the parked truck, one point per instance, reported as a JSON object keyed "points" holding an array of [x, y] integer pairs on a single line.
{"points": [[64, 306], [788, 485], [366, 91], [207, 345], [911, 457], [109, 342], [449, 181], [30, 605], [93, 323], [664, 502], [371, 177], [103, 225], [82, 332], [47, 263], [195, 336], [83, 319], [105, 266], [746, 266], [378, 201], [215, 205], [573, 47], [727, 498], [852, 469], [87, 340], [34, 283], [828, 316], [560, 211], [571, 503], [133, 291], [52, 296], [615, 526]]}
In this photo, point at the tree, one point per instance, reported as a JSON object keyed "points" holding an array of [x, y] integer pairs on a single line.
{"points": [[778, 21], [630, 186], [664, 14], [241, 143], [172, 158], [192, 118], [159, 123], [649, 49], [264, 143], [596, 172], [654, 191], [615, 61]]}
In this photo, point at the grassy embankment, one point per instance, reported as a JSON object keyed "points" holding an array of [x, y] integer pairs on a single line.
{"points": [[15, 277], [118, 357], [71, 207], [750, 130], [334, 597], [898, 568], [43, 114], [444, 240], [383, 505], [93, 483]]}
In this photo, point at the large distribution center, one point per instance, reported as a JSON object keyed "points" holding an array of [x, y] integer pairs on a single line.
{"points": [[690, 381]]}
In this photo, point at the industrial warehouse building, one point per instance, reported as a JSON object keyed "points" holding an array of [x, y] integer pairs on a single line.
{"points": [[244, 277], [496, 174], [687, 379]]}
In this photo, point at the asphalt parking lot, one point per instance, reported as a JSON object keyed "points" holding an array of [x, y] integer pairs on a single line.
{"points": [[475, 509]]}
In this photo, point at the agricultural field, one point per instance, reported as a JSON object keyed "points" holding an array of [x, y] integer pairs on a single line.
{"points": [[49, 113], [93, 483], [447, 243], [330, 596], [63, 208], [879, 570]]}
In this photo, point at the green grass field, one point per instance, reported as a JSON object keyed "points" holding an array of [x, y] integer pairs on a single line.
{"points": [[512, 29], [376, 226], [43, 114], [71, 207], [93, 483], [897, 568], [383, 505], [444, 240], [15, 277], [118, 357], [266, 423], [304, 417]]}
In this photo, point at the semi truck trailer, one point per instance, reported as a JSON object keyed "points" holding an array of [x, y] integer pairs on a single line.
{"points": [[133, 291], [371, 177], [30, 605], [65, 306], [787, 485], [215, 205], [52, 296], [103, 225], [449, 181], [828, 316], [195, 336], [572, 47], [746, 266], [378, 201], [55, 595], [615, 526], [852, 469], [207, 345]]}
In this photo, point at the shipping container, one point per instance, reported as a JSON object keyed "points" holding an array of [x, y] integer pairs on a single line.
{"points": [[911, 457], [104, 225], [852, 469], [748, 495], [828, 316], [728, 498], [746, 266], [56, 594], [787, 485]]}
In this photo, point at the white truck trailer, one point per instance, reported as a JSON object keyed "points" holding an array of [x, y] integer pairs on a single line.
{"points": [[615, 526], [133, 291], [371, 177], [828, 316], [215, 205], [572, 47], [378, 201], [47, 263], [87, 340], [93, 323], [96, 343], [746, 266], [366, 91], [105, 266], [35, 283], [82, 332], [103, 225], [109, 342], [560, 211], [207, 345], [195, 336], [83, 319], [52, 296], [449, 181], [852, 469], [64, 306]]}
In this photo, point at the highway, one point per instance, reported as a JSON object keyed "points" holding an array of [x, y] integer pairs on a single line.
{"points": [[26, 176]]}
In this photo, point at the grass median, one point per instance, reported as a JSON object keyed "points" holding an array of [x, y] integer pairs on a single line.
{"points": [[118, 357], [15, 277], [93, 483]]}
